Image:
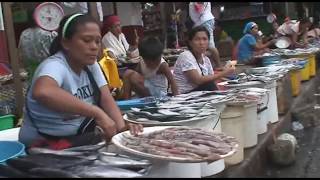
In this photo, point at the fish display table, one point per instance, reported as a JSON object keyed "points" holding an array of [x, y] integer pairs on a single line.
{"points": [[169, 165]]}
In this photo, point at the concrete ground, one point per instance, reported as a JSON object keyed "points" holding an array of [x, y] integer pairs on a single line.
{"points": [[307, 158]]}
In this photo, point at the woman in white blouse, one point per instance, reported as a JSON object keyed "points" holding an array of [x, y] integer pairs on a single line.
{"points": [[193, 70]]}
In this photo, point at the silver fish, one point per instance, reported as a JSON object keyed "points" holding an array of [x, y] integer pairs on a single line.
{"points": [[36, 150], [93, 147], [102, 171], [118, 160]]}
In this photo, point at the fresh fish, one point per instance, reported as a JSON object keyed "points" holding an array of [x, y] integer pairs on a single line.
{"points": [[37, 150], [45, 160], [11, 172], [52, 173], [123, 161], [22, 164], [167, 112], [94, 147], [102, 171]]}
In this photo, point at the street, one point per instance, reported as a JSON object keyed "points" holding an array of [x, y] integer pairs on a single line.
{"points": [[307, 157]]}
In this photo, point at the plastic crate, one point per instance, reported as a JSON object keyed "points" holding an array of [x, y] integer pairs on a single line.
{"points": [[6, 122]]}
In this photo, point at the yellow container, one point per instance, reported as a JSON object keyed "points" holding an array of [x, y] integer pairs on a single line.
{"points": [[295, 77], [312, 61], [305, 72]]}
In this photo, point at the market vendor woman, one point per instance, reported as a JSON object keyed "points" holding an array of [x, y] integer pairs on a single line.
{"points": [[193, 70], [69, 96], [249, 45]]}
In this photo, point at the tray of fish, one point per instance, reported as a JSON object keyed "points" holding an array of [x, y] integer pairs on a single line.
{"points": [[146, 121], [177, 144], [75, 162]]}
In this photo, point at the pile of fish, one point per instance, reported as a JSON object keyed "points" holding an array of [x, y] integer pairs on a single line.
{"points": [[192, 106], [193, 144], [78, 162]]}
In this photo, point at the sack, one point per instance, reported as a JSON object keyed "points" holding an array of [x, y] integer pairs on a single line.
{"points": [[110, 69]]}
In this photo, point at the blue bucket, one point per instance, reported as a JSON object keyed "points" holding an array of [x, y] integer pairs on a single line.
{"points": [[10, 149]]}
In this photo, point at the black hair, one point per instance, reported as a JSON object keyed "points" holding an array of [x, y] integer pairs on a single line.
{"points": [[305, 20], [150, 48], [70, 31], [194, 31]]}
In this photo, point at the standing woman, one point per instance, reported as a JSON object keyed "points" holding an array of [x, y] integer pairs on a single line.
{"points": [[193, 70], [69, 95]]}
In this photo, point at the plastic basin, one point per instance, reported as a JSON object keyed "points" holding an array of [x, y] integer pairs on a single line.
{"points": [[10, 149]]}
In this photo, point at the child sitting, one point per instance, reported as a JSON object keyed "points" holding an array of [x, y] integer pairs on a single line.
{"points": [[152, 75]]}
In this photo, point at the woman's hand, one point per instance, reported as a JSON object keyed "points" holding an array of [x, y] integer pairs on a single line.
{"points": [[107, 125], [228, 70], [135, 129]]}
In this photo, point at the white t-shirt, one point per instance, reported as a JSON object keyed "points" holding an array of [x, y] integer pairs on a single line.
{"points": [[186, 62], [289, 28], [156, 83], [52, 122], [201, 17], [118, 46]]}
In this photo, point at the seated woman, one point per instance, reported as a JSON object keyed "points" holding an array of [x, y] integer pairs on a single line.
{"points": [[250, 45], [152, 75], [115, 41], [69, 97], [193, 70], [296, 30]]}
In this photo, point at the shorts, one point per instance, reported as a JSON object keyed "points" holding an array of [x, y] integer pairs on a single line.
{"points": [[209, 25]]}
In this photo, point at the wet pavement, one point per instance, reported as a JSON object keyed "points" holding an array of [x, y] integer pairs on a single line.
{"points": [[307, 156]]}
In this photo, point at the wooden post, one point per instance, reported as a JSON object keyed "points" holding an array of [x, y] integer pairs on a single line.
{"points": [[92, 8], [13, 54], [115, 11], [163, 23]]}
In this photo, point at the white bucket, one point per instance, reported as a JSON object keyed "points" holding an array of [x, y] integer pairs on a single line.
{"points": [[250, 116], [232, 124], [262, 115], [272, 105], [165, 169], [250, 130]]}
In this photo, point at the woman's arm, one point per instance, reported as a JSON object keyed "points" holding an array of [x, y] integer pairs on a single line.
{"points": [[164, 69], [47, 92], [260, 45], [196, 78], [109, 105]]}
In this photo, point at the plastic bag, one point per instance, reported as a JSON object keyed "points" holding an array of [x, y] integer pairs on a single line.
{"points": [[110, 69]]}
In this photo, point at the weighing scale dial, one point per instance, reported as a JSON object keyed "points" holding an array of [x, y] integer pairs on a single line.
{"points": [[48, 15]]}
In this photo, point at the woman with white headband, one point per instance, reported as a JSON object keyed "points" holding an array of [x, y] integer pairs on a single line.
{"points": [[69, 97], [248, 45]]}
